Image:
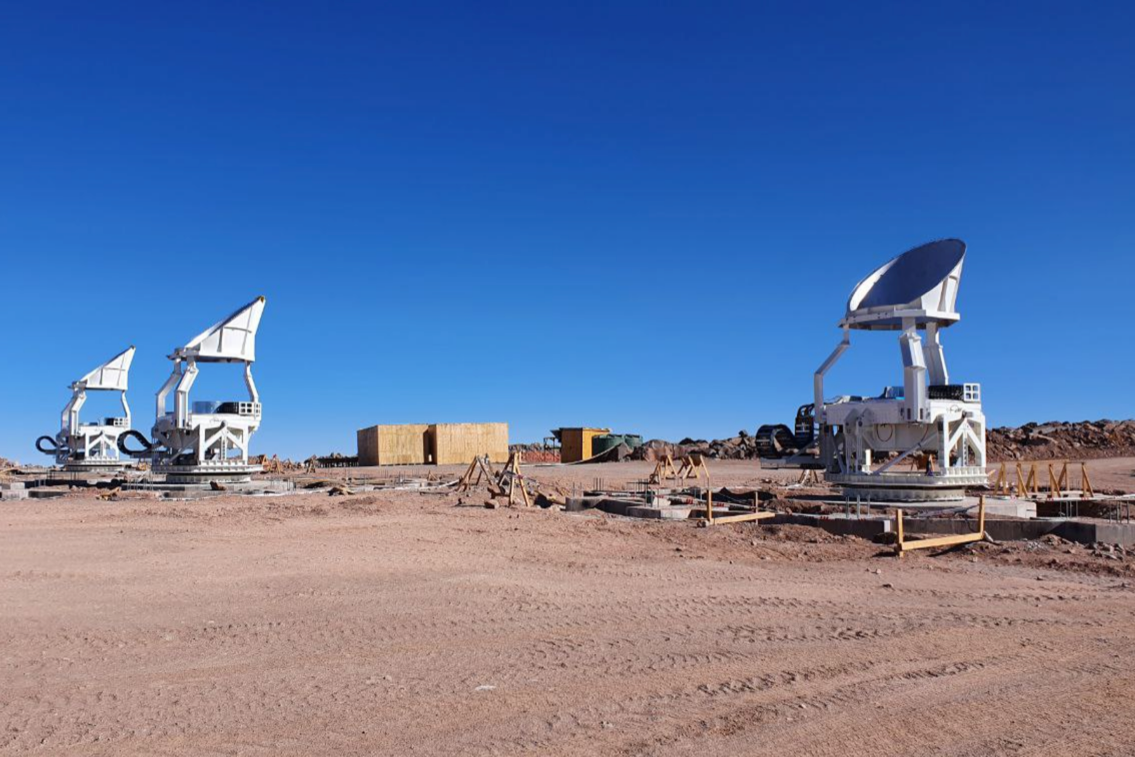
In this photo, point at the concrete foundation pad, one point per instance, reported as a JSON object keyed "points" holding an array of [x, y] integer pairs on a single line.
{"points": [[579, 504], [868, 527], [264, 486], [1005, 508], [698, 511], [606, 504], [41, 493], [660, 513], [1015, 508], [1101, 507], [12, 490], [874, 526], [1082, 531]]}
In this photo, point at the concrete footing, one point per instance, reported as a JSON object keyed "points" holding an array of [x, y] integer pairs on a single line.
{"points": [[256, 486], [1005, 508], [13, 490], [1078, 530], [1073, 529], [873, 526]]}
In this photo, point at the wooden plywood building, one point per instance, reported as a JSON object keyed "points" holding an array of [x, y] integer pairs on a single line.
{"points": [[401, 444], [575, 443], [461, 442], [437, 443]]}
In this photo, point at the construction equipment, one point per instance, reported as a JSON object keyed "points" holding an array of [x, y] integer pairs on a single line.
{"points": [[795, 447], [206, 442], [92, 446], [862, 440]]}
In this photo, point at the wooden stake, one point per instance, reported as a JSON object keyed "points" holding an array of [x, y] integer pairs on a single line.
{"points": [[807, 477], [510, 478], [898, 530], [902, 546], [1001, 486], [1054, 489], [1027, 485], [663, 470], [741, 518], [693, 466], [756, 514], [1085, 482]]}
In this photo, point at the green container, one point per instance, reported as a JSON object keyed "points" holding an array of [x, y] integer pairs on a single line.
{"points": [[604, 443]]}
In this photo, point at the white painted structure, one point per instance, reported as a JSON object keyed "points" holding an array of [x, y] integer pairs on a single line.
{"points": [[927, 418], [209, 440], [92, 446]]}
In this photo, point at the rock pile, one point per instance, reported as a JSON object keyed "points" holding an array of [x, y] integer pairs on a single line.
{"points": [[740, 447], [7, 466], [1062, 441], [1083, 440]]}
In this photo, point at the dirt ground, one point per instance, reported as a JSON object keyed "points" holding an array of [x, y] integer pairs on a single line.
{"points": [[1109, 474], [402, 623]]}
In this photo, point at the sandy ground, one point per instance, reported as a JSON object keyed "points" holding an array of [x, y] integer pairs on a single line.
{"points": [[399, 623]]}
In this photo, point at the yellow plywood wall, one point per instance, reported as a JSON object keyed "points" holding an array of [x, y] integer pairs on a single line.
{"points": [[575, 443], [402, 444], [461, 442]]}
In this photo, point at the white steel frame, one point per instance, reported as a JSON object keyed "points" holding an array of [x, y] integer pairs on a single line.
{"points": [[856, 431], [95, 445], [213, 445]]}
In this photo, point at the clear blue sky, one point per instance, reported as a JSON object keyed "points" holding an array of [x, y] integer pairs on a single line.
{"points": [[641, 215]]}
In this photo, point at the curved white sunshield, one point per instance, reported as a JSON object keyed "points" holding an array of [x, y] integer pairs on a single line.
{"points": [[113, 374], [921, 284], [231, 340]]}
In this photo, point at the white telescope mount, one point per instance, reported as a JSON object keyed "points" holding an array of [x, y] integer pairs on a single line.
{"points": [[203, 442], [92, 446], [922, 441]]}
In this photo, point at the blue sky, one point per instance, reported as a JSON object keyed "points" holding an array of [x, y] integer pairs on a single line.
{"points": [[640, 215]]}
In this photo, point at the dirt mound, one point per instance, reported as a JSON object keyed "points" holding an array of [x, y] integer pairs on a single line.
{"points": [[1061, 440]]}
